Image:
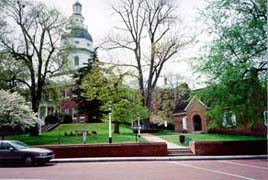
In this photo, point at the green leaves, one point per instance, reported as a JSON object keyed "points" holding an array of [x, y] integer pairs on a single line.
{"points": [[235, 61], [103, 84]]}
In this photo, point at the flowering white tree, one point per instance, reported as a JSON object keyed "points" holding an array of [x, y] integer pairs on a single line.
{"points": [[15, 112]]}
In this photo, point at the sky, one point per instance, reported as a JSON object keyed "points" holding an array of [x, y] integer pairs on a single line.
{"points": [[100, 21]]}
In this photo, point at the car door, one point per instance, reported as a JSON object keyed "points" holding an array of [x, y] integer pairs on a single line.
{"points": [[8, 152], [1, 154]]}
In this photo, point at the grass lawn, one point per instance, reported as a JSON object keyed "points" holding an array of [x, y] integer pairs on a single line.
{"points": [[173, 137], [57, 136]]}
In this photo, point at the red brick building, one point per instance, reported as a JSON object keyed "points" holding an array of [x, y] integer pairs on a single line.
{"points": [[189, 116]]}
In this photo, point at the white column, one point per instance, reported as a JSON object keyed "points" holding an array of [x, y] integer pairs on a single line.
{"points": [[139, 125], [110, 127], [46, 111], [110, 123]]}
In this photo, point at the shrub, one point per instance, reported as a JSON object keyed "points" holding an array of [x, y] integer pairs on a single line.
{"points": [[51, 119], [67, 119], [181, 139], [184, 131]]}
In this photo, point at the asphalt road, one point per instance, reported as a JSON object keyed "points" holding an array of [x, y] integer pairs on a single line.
{"points": [[149, 170]]}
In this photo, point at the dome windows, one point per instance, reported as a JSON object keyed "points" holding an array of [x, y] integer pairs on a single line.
{"points": [[77, 8], [76, 61]]}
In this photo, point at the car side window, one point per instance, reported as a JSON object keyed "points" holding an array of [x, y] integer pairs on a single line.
{"points": [[1, 146], [5, 146]]}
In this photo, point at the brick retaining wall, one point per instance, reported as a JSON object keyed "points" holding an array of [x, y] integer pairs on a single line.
{"points": [[108, 150], [258, 130], [228, 147]]}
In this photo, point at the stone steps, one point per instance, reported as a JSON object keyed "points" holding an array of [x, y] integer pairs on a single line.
{"points": [[49, 127], [180, 152]]}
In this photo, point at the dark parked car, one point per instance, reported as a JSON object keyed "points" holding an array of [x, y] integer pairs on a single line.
{"points": [[18, 152]]}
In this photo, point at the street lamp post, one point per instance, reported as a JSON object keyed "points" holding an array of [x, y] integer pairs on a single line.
{"points": [[110, 122], [139, 125]]}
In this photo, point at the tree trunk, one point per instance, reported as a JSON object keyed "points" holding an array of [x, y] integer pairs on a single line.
{"points": [[116, 127], [148, 102], [2, 133], [36, 98], [35, 104]]}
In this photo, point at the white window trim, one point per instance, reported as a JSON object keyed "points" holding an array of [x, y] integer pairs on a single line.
{"points": [[184, 123], [233, 120]]}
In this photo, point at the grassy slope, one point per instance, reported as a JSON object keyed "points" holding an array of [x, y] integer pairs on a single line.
{"points": [[174, 137], [57, 135]]}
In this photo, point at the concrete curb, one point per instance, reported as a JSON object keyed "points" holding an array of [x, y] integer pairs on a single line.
{"points": [[175, 158]]}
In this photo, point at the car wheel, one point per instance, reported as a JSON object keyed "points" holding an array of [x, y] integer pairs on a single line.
{"points": [[41, 163], [28, 161]]}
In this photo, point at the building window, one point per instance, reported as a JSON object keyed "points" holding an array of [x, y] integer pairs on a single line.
{"points": [[184, 123], [76, 61], [229, 119], [88, 44], [76, 42], [50, 96], [67, 111], [50, 110], [66, 93], [75, 113]]}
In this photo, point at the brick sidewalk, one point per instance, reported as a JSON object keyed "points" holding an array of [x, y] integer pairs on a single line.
{"points": [[152, 138]]}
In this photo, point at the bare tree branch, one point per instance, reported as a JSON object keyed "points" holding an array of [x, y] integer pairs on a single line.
{"points": [[35, 41], [154, 18]]}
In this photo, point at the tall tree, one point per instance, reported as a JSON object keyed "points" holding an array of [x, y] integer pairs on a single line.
{"points": [[107, 86], [15, 112], [30, 33], [89, 107], [165, 100], [147, 22], [164, 104], [236, 60]]}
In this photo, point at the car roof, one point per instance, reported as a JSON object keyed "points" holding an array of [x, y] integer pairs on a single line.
{"points": [[9, 141]]}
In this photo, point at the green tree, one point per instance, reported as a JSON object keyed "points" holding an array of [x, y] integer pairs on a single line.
{"points": [[164, 106], [89, 107], [235, 61], [165, 102], [107, 86]]}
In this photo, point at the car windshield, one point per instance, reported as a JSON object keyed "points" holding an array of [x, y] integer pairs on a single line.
{"points": [[19, 145]]}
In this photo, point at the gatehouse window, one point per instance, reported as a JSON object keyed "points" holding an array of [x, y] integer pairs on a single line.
{"points": [[184, 123]]}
